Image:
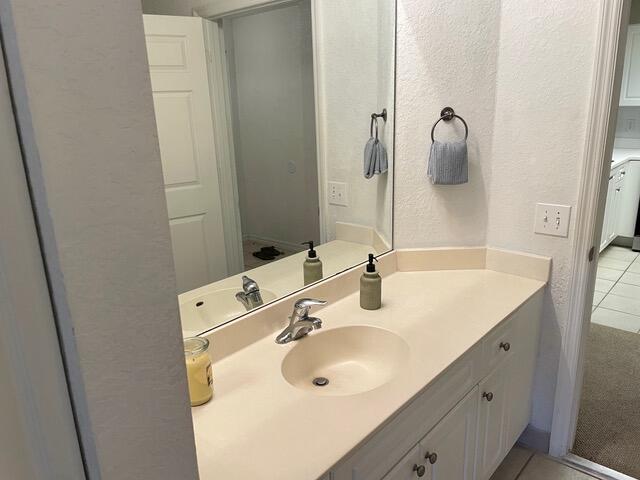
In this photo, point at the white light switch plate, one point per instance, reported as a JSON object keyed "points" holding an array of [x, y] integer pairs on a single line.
{"points": [[338, 194], [552, 219]]}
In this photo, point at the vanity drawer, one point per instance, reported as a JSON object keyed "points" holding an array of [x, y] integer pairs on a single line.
{"points": [[500, 343], [401, 433]]}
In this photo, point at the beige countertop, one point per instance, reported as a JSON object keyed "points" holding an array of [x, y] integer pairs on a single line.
{"points": [[280, 277], [258, 426]]}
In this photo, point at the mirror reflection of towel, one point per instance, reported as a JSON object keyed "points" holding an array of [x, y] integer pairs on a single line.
{"points": [[448, 164], [375, 158]]}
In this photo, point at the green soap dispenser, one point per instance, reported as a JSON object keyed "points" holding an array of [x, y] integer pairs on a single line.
{"points": [[371, 286], [312, 266]]}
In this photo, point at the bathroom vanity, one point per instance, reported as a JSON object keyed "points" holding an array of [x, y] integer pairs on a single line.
{"points": [[436, 384]]}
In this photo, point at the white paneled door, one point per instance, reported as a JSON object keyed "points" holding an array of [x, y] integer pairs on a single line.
{"points": [[181, 97]]}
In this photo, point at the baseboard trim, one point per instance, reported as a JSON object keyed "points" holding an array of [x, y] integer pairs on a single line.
{"points": [[535, 439]]}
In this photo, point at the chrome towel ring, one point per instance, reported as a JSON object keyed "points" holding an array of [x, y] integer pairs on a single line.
{"points": [[447, 114]]}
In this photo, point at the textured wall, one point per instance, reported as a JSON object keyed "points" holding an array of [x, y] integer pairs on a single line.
{"points": [[508, 67], [355, 54], [546, 55], [447, 54], [85, 112]]}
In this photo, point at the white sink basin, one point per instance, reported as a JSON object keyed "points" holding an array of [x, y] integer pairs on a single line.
{"points": [[353, 359], [212, 309]]}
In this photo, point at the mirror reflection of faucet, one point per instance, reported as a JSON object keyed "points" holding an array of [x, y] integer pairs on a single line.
{"points": [[250, 296]]}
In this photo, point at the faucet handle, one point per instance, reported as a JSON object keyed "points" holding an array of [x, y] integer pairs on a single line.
{"points": [[302, 306], [249, 285]]}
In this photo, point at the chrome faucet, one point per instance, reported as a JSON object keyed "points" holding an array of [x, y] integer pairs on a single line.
{"points": [[300, 323], [250, 296]]}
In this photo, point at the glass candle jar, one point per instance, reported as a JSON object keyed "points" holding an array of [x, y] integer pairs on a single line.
{"points": [[196, 353]]}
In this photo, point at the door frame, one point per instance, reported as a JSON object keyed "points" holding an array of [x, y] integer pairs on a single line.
{"points": [[218, 79], [212, 13], [321, 134], [605, 92], [28, 330]]}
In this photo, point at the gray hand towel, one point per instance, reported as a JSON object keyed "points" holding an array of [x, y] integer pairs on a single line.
{"points": [[375, 158], [448, 163]]}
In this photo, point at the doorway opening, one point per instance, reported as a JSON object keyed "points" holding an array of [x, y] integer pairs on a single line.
{"points": [[607, 425]]}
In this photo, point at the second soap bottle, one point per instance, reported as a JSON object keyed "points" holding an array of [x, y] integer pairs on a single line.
{"points": [[312, 267]]}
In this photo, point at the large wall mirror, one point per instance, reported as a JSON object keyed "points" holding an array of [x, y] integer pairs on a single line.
{"points": [[275, 124]]}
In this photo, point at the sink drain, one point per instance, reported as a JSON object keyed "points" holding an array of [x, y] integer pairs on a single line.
{"points": [[320, 381]]}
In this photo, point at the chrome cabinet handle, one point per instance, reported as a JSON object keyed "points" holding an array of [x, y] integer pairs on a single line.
{"points": [[420, 470], [506, 346], [432, 457], [488, 396]]}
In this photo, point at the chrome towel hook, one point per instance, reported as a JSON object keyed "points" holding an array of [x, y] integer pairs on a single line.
{"points": [[447, 114]]}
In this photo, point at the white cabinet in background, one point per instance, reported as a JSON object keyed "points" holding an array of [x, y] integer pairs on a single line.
{"points": [[463, 425], [628, 212], [614, 206], [630, 93]]}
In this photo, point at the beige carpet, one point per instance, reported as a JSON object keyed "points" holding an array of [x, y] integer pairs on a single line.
{"points": [[609, 419]]}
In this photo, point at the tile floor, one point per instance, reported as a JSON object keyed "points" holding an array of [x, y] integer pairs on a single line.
{"points": [[524, 464], [616, 301]]}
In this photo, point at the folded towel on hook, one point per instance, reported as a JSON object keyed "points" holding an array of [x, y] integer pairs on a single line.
{"points": [[375, 154], [448, 163], [375, 158]]}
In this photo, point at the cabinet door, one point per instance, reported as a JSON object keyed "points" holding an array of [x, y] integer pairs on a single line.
{"points": [[628, 212], [522, 367], [448, 451], [606, 223], [409, 468], [615, 209], [630, 93], [492, 424]]}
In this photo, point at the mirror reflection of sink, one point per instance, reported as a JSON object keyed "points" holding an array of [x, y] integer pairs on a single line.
{"points": [[345, 360], [211, 309]]}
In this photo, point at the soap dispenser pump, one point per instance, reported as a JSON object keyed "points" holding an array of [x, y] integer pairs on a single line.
{"points": [[371, 286], [312, 267]]}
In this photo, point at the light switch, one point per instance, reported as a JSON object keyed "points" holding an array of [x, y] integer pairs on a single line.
{"points": [[552, 219], [338, 194]]}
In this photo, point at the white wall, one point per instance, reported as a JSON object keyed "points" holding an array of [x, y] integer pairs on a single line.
{"points": [[447, 54], [355, 78], [271, 60], [85, 112], [170, 7], [536, 155], [507, 67], [628, 135]]}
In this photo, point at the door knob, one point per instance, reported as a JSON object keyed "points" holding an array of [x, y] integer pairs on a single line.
{"points": [[488, 396], [420, 470], [432, 457], [506, 346]]}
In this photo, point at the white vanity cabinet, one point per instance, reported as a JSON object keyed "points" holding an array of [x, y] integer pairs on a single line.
{"points": [[462, 426], [448, 451]]}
